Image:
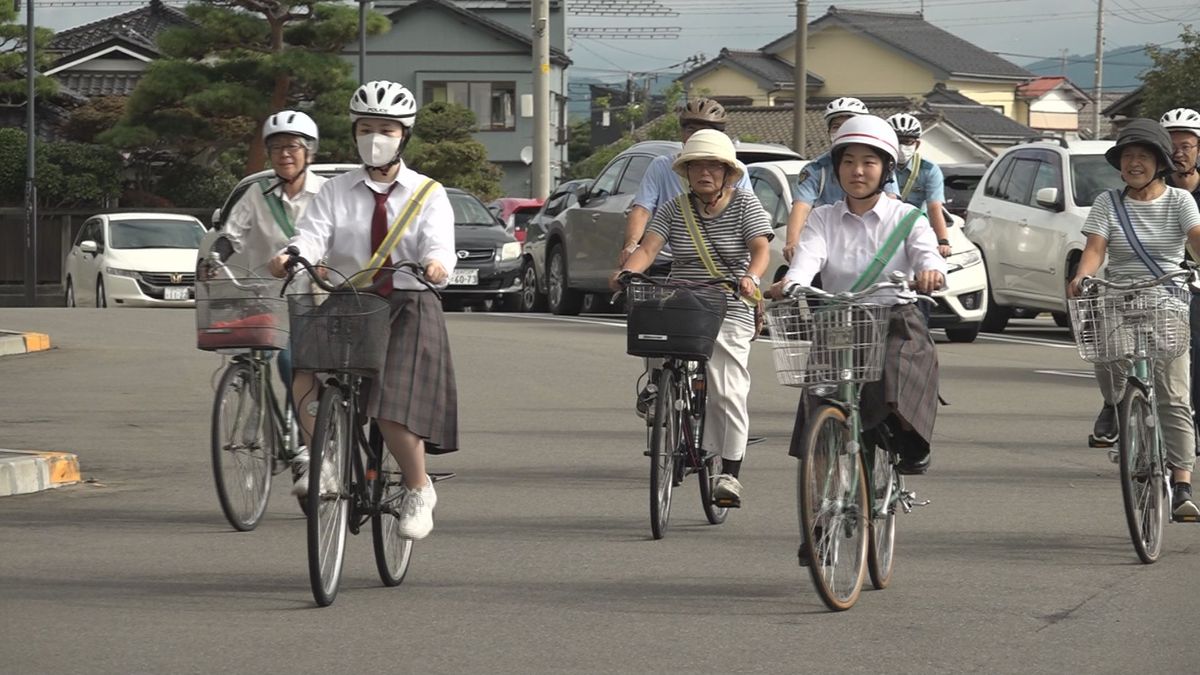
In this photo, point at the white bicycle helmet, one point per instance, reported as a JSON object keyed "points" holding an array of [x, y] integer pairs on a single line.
{"points": [[1181, 119], [905, 125], [846, 105], [291, 122], [383, 99]]}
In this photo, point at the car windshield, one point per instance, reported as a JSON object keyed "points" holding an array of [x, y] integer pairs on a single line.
{"points": [[522, 215], [1091, 175], [959, 190], [155, 234], [469, 210]]}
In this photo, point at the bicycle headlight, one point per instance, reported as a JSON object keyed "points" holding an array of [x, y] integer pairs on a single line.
{"points": [[509, 251], [118, 272], [965, 259]]}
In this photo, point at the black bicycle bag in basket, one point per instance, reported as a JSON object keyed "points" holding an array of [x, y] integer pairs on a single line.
{"points": [[673, 321]]}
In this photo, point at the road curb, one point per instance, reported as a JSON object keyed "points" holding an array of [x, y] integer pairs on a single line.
{"points": [[25, 471], [14, 342]]}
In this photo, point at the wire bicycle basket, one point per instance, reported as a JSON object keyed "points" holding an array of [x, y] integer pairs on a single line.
{"points": [[829, 342], [343, 331], [240, 313], [1116, 325]]}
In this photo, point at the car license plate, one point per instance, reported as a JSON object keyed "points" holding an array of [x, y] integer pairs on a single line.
{"points": [[176, 292], [465, 278]]}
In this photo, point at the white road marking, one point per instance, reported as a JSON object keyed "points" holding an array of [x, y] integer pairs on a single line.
{"points": [[548, 317], [1083, 374], [1037, 342]]}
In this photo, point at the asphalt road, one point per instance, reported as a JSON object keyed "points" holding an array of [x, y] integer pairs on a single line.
{"points": [[542, 560]]}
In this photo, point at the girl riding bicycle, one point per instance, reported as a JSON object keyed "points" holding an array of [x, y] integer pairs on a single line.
{"points": [[840, 242], [414, 401], [735, 232], [1158, 220]]}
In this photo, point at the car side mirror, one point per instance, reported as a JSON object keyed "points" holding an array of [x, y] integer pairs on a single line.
{"points": [[1047, 197], [88, 246]]}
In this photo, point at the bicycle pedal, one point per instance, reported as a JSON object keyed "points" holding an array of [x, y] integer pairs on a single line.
{"points": [[1186, 519], [1094, 442], [727, 503]]}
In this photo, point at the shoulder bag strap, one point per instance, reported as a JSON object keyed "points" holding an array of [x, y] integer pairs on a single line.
{"points": [[887, 251], [915, 166], [399, 227], [1130, 235], [689, 219], [275, 204]]}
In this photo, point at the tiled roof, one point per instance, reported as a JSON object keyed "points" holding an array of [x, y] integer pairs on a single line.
{"points": [[982, 122], [768, 67], [92, 84], [556, 55], [141, 25], [911, 34]]}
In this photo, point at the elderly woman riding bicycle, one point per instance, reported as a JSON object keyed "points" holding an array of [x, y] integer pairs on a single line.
{"points": [[714, 231]]}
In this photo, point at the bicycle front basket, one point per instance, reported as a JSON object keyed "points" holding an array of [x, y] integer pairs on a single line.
{"points": [[343, 332], [827, 343], [1115, 325], [673, 321], [240, 314]]}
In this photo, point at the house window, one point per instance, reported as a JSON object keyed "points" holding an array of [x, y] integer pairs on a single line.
{"points": [[492, 102]]}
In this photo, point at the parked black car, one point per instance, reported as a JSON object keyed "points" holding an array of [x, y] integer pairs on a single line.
{"points": [[960, 181], [489, 258]]}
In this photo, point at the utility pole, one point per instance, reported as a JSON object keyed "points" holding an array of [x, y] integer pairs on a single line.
{"points": [[1099, 86], [362, 41], [540, 185], [31, 238], [800, 77], [1063, 64]]}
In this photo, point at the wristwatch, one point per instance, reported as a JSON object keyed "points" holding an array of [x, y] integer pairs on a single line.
{"points": [[943, 242], [757, 281]]}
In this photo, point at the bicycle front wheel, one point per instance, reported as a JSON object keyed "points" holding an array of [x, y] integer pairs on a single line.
{"points": [[392, 551], [884, 487], [328, 495], [708, 476], [241, 447], [664, 441], [1143, 483], [834, 516]]}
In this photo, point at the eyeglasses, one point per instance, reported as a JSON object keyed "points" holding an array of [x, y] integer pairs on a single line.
{"points": [[289, 148], [1185, 147], [710, 167]]}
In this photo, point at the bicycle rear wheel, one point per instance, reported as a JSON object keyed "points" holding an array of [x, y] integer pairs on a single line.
{"points": [[834, 520], [392, 552], [884, 484], [328, 495], [241, 447], [664, 441], [1143, 483]]}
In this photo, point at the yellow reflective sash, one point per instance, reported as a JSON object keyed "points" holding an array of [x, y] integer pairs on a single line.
{"points": [[396, 232], [915, 164], [689, 219]]}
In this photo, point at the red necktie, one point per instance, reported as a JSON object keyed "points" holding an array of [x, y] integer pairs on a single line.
{"points": [[379, 231]]}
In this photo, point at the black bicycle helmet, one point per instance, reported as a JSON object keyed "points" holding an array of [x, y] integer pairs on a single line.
{"points": [[1148, 133]]}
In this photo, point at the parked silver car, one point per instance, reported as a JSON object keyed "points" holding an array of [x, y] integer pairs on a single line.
{"points": [[581, 244]]}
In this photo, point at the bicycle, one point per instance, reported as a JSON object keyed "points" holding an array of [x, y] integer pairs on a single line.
{"points": [[352, 480], [1135, 325], [831, 345], [254, 434], [678, 322]]}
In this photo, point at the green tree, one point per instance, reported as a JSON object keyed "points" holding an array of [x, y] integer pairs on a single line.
{"points": [[443, 149], [242, 60], [1173, 82], [12, 58], [69, 174], [663, 128], [579, 145], [93, 118]]}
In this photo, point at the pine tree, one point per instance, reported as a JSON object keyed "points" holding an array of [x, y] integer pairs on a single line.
{"points": [[12, 58], [443, 149]]}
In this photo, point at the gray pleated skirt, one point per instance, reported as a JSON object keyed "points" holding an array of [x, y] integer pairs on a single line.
{"points": [[417, 386]]}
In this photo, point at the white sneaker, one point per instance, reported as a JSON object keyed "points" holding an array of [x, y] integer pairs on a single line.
{"points": [[416, 512], [300, 472], [727, 491]]}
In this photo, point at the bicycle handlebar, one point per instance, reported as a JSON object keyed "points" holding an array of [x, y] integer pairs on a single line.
{"points": [[897, 282], [414, 270], [1089, 285], [626, 277]]}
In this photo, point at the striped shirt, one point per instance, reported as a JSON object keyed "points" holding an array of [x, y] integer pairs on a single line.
{"points": [[1161, 225], [729, 233]]}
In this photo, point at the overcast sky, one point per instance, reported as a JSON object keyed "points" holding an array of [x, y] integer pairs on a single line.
{"points": [[1038, 28]]}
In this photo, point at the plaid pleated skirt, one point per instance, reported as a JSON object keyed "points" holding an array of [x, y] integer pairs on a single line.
{"points": [[908, 388], [417, 386]]}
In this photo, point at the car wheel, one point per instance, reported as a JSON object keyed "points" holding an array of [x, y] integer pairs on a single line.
{"points": [[70, 300], [963, 333], [1061, 319], [562, 298], [530, 299], [996, 318], [101, 298]]}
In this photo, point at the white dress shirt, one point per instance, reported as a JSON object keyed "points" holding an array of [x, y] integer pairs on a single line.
{"points": [[840, 245], [250, 225], [336, 227]]}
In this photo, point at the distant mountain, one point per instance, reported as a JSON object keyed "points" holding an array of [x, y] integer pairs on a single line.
{"points": [[1122, 68]]}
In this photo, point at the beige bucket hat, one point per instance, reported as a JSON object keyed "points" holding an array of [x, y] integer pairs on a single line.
{"points": [[709, 144]]}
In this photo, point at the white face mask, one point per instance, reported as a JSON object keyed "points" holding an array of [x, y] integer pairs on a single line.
{"points": [[906, 153], [378, 149]]}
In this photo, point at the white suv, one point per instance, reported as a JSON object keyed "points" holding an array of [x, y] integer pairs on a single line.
{"points": [[1026, 216]]}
